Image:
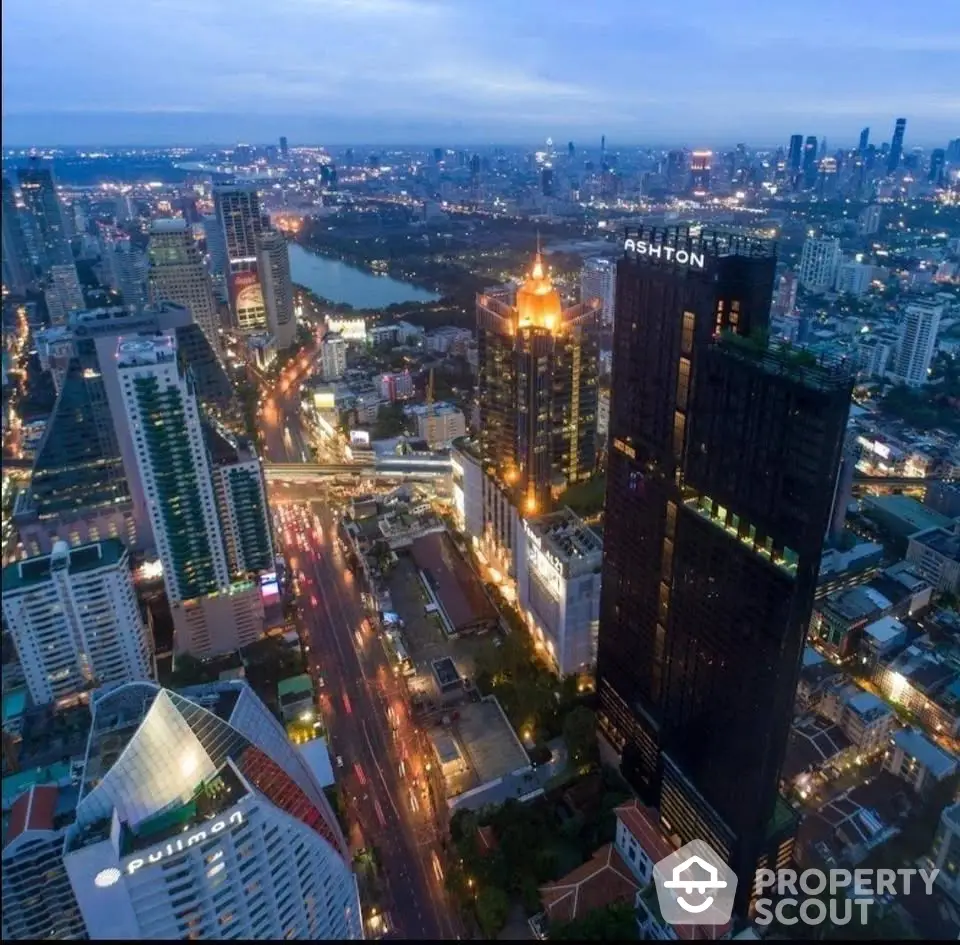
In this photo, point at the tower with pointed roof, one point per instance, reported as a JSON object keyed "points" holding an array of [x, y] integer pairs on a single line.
{"points": [[537, 390]]}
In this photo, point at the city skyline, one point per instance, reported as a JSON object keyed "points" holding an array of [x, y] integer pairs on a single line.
{"points": [[333, 71]]}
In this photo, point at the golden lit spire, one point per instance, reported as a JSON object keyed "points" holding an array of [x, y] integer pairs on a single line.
{"points": [[538, 302]]}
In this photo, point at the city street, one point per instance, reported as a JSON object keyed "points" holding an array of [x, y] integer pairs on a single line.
{"points": [[379, 758]]}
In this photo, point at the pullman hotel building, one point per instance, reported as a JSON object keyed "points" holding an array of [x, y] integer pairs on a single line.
{"points": [[724, 455]]}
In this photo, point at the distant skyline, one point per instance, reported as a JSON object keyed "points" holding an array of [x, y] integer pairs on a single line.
{"points": [[441, 72]]}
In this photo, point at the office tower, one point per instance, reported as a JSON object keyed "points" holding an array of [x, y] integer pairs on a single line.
{"points": [[719, 487], [17, 265], [241, 501], [864, 141], [217, 255], [277, 288], [74, 618], [546, 181], [284, 150], [598, 280], [700, 164], [62, 293], [333, 356], [125, 271], [819, 262], [868, 222], [177, 274], [795, 155], [241, 220], [810, 161], [896, 146], [917, 343], [193, 816], [953, 150], [537, 390], [43, 216], [937, 160], [571, 151]]}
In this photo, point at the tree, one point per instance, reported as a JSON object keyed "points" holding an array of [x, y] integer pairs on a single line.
{"points": [[580, 735], [616, 922], [492, 907], [390, 422]]}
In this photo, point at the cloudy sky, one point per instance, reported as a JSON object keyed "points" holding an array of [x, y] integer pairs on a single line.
{"points": [[444, 72]]}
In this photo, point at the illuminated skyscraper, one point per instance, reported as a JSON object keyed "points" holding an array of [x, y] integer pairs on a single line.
{"points": [[241, 221], [719, 489], [537, 389], [277, 288], [896, 145], [700, 164]]}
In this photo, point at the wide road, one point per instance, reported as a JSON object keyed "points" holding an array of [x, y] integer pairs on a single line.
{"points": [[379, 756]]}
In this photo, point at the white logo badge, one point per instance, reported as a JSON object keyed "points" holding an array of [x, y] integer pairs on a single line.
{"points": [[695, 886]]}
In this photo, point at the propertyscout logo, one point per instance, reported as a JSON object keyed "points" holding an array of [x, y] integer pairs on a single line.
{"points": [[695, 887]]}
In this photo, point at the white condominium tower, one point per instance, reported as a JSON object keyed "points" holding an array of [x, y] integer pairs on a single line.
{"points": [[213, 612], [277, 288], [74, 618], [598, 280], [918, 341], [177, 274], [819, 263]]}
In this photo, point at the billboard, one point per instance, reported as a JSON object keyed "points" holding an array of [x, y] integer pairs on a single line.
{"points": [[269, 585], [246, 299]]}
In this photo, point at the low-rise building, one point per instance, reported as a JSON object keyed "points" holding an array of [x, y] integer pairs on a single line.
{"points": [[882, 639], [864, 717], [558, 584], [397, 385], [912, 757], [936, 553], [440, 424]]}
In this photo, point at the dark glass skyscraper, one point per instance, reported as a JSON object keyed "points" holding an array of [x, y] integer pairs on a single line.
{"points": [[896, 145], [537, 389], [719, 488], [810, 161], [864, 140], [795, 155], [17, 265]]}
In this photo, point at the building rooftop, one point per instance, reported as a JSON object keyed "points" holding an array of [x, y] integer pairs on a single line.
{"points": [[31, 571], [564, 535], [459, 591], [885, 630], [912, 512], [144, 350], [169, 225], [918, 746], [601, 881], [294, 688], [940, 540]]}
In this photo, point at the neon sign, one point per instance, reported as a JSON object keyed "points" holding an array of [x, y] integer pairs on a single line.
{"points": [[179, 845], [682, 257]]}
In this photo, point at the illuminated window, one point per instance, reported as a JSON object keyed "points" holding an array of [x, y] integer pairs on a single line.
{"points": [[686, 337], [671, 520], [679, 429], [664, 602], [666, 561], [683, 383]]}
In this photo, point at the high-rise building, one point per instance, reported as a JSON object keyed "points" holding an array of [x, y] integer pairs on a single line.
{"points": [[918, 341], [938, 159], [63, 293], [537, 389], [85, 484], [868, 222], [216, 255], [43, 216], [241, 502], [896, 146], [864, 141], [810, 165], [854, 278], [785, 300], [177, 274], [125, 271], [74, 618], [277, 288], [598, 280], [333, 356], [214, 611], [241, 220], [700, 164], [719, 488], [284, 150], [17, 265], [795, 155], [819, 262], [546, 182], [193, 816]]}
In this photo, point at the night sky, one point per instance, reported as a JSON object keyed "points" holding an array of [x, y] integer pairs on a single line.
{"points": [[435, 72]]}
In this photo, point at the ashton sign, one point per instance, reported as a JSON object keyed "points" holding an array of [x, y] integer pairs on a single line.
{"points": [[681, 257], [181, 844]]}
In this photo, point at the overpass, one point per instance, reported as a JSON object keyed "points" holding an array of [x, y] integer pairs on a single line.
{"points": [[399, 467]]}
